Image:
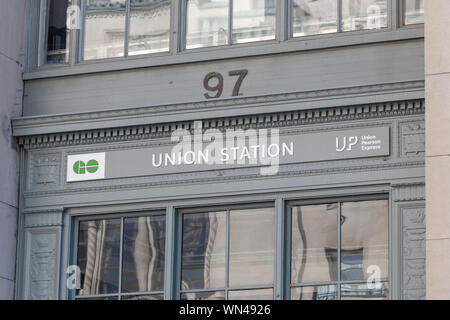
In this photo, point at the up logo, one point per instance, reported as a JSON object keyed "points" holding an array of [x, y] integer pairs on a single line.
{"points": [[82, 167], [347, 144]]}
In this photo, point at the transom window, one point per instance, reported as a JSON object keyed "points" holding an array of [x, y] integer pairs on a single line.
{"points": [[81, 30]]}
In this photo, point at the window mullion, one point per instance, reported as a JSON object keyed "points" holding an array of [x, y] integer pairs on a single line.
{"points": [[227, 255], [230, 22], [177, 26], [283, 19], [127, 27], [121, 256], [339, 16], [339, 250]]}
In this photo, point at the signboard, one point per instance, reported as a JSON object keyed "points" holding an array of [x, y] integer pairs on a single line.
{"points": [[267, 152]]}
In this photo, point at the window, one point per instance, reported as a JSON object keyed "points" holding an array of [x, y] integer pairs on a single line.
{"points": [[339, 250], [313, 17], [221, 22], [413, 12], [117, 28], [58, 35], [228, 254], [122, 258]]}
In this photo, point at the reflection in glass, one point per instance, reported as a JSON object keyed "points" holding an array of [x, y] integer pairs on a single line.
{"points": [[149, 26], [143, 254], [58, 33], [213, 295], [364, 14], [143, 297], [252, 243], [98, 298], [104, 35], [98, 256], [326, 292], [364, 237], [413, 11], [363, 292], [261, 294], [314, 238], [253, 20], [207, 23], [203, 256], [314, 17]]}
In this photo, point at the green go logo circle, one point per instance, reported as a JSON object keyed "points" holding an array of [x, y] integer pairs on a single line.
{"points": [[80, 167]]}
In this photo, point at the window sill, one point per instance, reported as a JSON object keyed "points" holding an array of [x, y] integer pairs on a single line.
{"points": [[237, 51]]}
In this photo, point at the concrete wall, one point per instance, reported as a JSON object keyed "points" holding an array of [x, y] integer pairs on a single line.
{"points": [[12, 44], [437, 75]]}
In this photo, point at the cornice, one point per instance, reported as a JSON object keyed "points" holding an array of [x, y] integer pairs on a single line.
{"points": [[279, 119], [238, 106]]}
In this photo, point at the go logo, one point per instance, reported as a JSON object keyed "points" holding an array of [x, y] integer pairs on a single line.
{"points": [[80, 167]]}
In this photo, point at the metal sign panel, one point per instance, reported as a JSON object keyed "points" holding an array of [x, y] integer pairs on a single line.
{"points": [[264, 153]]}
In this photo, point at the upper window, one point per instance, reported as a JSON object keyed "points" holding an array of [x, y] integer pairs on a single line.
{"points": [[117, 28], [221, 22], [413, 12], [312, 17], [121, 28], [58, 35]]}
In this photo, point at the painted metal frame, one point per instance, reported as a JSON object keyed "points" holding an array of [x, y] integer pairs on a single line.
{"points": [[283, 43], [175, 209]]}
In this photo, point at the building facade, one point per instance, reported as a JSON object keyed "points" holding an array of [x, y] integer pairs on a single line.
{"points": [[219, 149], [12, 59]]}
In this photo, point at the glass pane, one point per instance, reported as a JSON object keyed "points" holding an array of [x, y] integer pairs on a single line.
{"points": [[327, 292], [98, 256], [149, 26], [252, 242], [364, 14], [98, 298], [104, 35], [58, 33], [207, 23], [363, 292], [262, 294], [314, 17], [364, 236], [143, 297], [314, 243], [215, 295], [253, 20], [413, 11], [203, 256], [143, 254]]}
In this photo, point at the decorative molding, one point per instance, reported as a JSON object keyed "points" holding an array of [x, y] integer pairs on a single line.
{"points": [[284, 119], [44, 169], [412, 139], [409, 192], [43, 218], [220, 178], [413, 253], [41, 264]]}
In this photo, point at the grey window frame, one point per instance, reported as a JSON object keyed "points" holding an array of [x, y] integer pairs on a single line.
{"points": [[401, 16], [35, 69], [227, 209], [172, 209], [338, 283], [280, 23], [76, 223], [80, 41]]}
